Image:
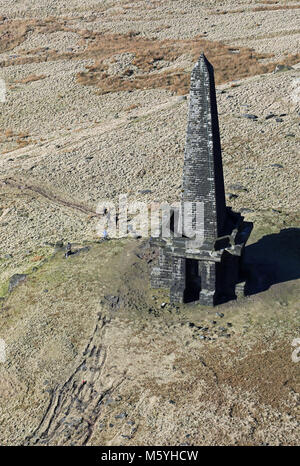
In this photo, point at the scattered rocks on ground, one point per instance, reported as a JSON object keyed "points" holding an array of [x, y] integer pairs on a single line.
{"points": [[121, 416], [279, 68], [230, 196], [238, 187], [109, 401], [145, 191], [68, 250], [113, 302], [246, 211], [15, 280], [70, 253], [250, 116]]}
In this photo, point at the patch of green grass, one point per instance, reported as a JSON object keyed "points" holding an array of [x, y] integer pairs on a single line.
{"points": [[4, 289]]}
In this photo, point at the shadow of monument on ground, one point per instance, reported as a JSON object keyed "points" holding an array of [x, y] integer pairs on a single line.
{"points": [[275, 258]]}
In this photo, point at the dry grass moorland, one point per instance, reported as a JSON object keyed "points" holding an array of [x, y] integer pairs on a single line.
{"points": [[95, 105]]}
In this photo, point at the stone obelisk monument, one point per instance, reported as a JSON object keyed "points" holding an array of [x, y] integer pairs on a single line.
{"points": [[208, 267]]}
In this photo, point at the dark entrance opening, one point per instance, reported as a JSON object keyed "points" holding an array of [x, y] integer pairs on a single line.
{"points": [[193, 281]]}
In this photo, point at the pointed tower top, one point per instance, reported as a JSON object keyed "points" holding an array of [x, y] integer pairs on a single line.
{"points": [[202, 65], [201, 58]]}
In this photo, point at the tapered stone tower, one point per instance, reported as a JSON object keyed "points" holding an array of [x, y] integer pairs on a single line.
{"points": [[207, 265]]}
